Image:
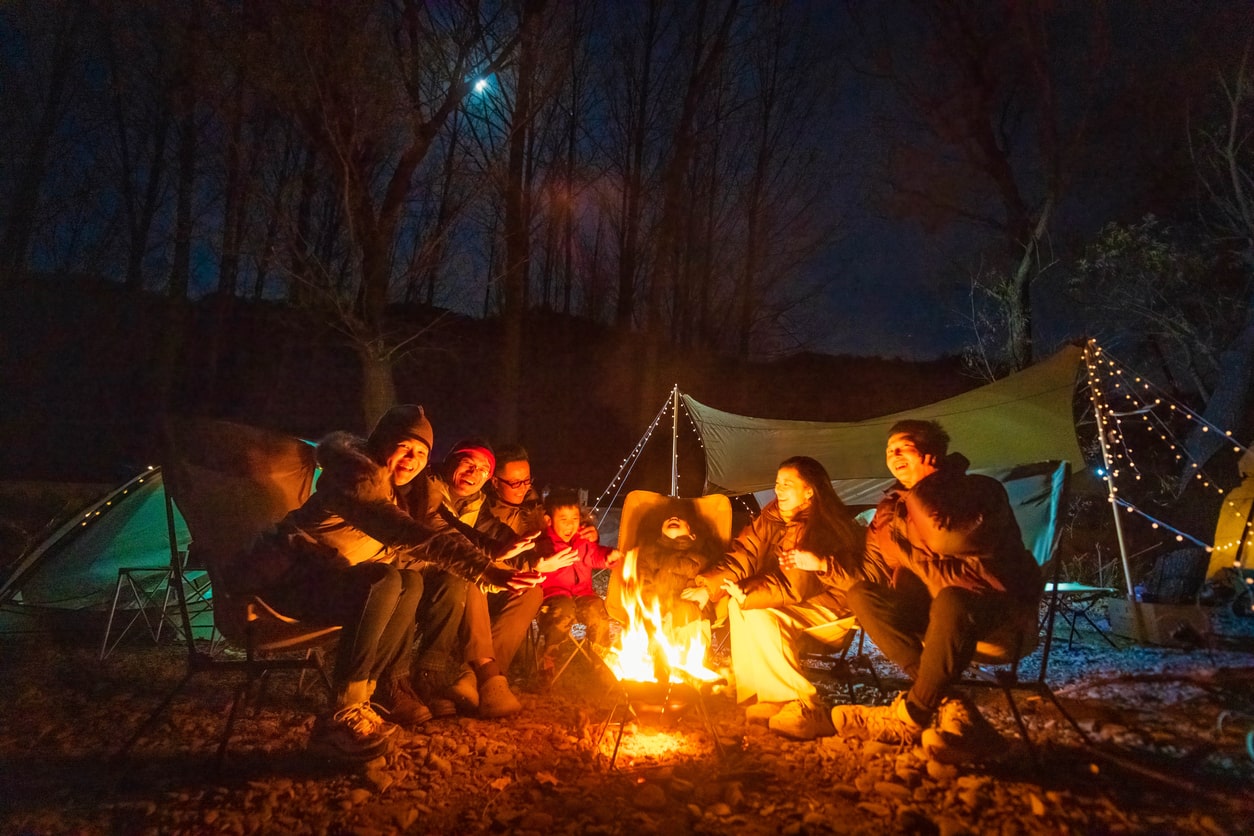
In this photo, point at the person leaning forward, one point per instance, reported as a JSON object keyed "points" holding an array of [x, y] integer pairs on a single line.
{"points": [[951, 570], [350, 555]]}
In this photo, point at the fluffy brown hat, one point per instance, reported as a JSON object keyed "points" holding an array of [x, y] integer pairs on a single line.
{"points": [[398, 424]]}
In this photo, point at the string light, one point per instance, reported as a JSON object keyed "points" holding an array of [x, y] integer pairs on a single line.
{"points": [[1138, 398]]}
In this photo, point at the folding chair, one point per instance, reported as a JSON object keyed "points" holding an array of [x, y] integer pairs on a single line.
{"points": [[839, 636], [1074, 600], [147, 594], [1039, 493], [231, 482]]}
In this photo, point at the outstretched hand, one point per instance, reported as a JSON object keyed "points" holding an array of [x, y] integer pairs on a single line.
{"points": [[613, 558], [732, 588], [560, 560], [698, 595], [497, 576], [524, 580], [521, 545]]}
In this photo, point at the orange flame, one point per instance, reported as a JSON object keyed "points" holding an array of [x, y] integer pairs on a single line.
{"points": [[649, 647]]}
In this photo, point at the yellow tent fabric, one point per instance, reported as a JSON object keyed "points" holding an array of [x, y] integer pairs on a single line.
{"points": [[1025, 417], [1232, 528]]}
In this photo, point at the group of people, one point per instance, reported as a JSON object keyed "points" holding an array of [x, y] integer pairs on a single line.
{"points": [[436, 579], [941, 567]]}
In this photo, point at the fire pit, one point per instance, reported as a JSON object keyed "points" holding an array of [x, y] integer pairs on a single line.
{"points": [[660, 699], [658, 704]]}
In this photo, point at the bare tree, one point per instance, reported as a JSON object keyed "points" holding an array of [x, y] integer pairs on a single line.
{"points": [[374, 86], [996, 102]]}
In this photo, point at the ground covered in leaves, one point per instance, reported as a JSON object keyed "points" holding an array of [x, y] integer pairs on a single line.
{"points": [[1169, 755]]}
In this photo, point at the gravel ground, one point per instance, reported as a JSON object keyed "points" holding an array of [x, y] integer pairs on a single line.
{"points": [[1169, 725]]}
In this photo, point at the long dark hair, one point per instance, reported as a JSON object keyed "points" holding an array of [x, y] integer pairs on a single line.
{"points": [[829, 527]]}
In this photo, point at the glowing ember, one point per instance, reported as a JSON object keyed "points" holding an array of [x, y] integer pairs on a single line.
{"points": [[648, 648]]}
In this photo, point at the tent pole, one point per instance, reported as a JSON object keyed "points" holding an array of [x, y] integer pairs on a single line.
{"points": [[675, 440], [1100, 414]]}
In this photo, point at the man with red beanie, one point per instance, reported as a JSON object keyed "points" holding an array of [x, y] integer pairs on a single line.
{"points": [[464, 650]]}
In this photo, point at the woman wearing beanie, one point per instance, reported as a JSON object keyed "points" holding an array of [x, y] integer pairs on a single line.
{"points": [[338, 559]]}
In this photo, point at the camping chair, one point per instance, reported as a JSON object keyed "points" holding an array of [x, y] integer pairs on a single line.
{"points": [[839, 637], [148, 593], [231, 482], [713, 513], [1036, 493]]}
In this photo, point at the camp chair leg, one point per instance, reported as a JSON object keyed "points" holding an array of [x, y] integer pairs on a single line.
{"points": [[152, 717], [232, 715]]}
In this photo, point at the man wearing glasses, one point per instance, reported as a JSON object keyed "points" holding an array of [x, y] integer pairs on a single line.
{"points": [[467, 645], [511, 497]]}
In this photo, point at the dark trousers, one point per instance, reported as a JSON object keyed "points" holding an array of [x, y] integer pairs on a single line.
{"points": [[373, 602], [932, 640], [459, 623], [561, 612]]}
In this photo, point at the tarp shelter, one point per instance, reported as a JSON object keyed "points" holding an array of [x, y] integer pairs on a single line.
{"points": [[1023, 418]]}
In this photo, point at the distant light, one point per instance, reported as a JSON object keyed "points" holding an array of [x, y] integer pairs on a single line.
{"points": [[481, 85], [1101, 471]]}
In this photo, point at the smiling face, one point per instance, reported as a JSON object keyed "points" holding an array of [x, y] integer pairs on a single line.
{"points": [[469, 474], [566, 521], [406, 461], [906, 462], [512, 481], [791, 491], [674, 527]]}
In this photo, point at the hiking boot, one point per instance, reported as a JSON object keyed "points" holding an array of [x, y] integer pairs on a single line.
{"points": [[353, 733], [961, 735], [885, 723], [402, 704], [760, 712], [465, 693], [496, 699], [802, 721], [432, 690]]}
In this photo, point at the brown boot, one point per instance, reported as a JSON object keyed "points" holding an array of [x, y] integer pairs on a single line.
{"points": [[496, 699], [433, 690], [403, 707]]}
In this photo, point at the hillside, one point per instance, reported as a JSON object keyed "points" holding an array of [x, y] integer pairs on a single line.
{"points": [[81, 362]]}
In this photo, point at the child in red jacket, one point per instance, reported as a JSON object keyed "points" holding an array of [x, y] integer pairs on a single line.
{"points": [[568, 593]]}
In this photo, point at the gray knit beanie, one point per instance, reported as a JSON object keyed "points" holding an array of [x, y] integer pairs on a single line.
{"points": [[400, 423]]}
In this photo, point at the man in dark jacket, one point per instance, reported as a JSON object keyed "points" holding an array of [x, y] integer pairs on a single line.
{"points": [[949, 569], [466, 647]]}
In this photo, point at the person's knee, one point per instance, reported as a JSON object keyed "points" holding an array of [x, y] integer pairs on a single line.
{"points": [[860, 595], [952, 606]]}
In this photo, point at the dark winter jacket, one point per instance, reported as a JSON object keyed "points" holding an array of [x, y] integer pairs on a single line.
{"points": [[524, 518], [953, 529], [356, 515]]}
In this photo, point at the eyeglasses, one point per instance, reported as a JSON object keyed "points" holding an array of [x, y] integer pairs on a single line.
{"points": [[516, 483]]}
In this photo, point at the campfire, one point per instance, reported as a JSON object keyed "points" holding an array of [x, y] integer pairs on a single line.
{"points": [[660, 667]]}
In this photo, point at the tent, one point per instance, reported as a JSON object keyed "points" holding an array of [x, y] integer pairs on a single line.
{"points": [[76, 567], [1023, 418]]}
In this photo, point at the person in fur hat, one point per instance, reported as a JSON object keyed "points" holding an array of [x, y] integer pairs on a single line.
{"points": [[351, 555], [949, 569]]}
